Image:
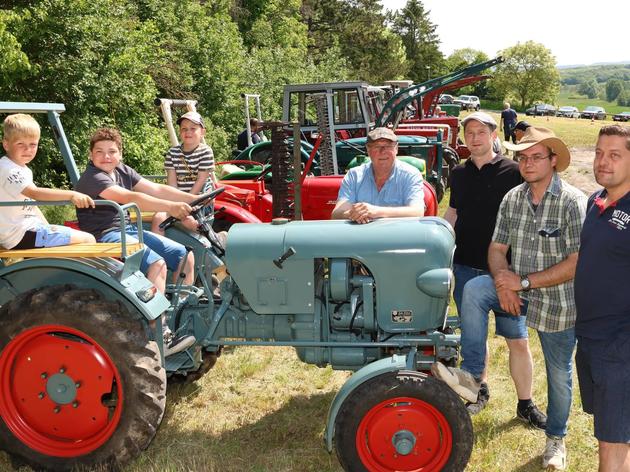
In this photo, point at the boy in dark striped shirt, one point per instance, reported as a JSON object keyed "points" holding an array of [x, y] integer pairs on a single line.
{"points": [[190, 165]]}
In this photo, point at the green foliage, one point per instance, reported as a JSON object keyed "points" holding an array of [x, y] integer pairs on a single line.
{"points": [[528, 74], [613, 88], [623, 99], [422, 45], [14, 63], [589, 88], [358, 30], [599, 73], [465, 57]]}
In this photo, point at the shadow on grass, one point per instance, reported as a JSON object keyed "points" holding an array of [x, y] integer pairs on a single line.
{"points": [[288, 439]]}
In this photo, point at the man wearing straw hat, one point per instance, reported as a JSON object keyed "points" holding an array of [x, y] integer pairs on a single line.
{"points": [[540, 222]]}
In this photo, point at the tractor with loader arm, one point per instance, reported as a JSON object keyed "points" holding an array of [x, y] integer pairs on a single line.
{"points": [[82, 371]]}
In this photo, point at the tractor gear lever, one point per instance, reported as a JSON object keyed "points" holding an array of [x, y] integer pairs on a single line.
{"points": [[278, 262]]}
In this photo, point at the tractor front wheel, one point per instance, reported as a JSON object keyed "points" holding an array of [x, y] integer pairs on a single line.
{"points": [[403, 421], [81, 384]]}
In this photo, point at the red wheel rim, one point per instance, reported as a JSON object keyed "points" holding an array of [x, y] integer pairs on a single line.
{"points": [[60, 392], [409, 417]]}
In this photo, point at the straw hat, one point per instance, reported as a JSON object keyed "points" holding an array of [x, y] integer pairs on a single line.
{"points": [[538, 135]]}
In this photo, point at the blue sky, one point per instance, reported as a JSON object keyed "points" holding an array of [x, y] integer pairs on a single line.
{"points": [[573, 33]]}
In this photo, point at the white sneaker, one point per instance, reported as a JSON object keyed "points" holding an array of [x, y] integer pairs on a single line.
{"points": [[555, 454], [463, 383]]}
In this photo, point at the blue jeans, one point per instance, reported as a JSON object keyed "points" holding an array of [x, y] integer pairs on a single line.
{"points": [[157, 247], [558, 351], [463, 274], [480, 296]]}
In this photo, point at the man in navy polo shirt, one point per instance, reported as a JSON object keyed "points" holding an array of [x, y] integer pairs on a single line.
{"points": [[385, 187], [602, 288]]}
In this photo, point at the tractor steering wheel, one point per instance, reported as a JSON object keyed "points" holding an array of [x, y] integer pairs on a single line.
{"points": [[197, 205], [263, 173]]}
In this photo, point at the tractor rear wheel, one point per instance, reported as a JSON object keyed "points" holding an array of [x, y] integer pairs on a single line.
{"points": [[450, 160], [81, 384], [403, 421]]}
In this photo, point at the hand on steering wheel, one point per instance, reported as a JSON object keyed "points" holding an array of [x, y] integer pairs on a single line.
{"points": [[197, 204]]}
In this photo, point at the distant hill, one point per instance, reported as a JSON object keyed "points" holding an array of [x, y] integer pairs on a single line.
{"points": [[577, 66], [572, 75]]}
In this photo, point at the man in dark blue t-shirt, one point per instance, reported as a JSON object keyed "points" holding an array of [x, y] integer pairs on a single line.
{"points": [[508, 121], [241, 141], [602, 285]]}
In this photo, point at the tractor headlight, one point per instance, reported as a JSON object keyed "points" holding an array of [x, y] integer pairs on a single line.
{"points": [[436, 282]]}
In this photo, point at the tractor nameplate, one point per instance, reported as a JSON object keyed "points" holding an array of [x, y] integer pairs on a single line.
{"points": [[402, 316]]}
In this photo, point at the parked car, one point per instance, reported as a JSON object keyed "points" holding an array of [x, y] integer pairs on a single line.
{"points": [[594, 112], [541, 109], [445, 98], [468, 102], [568, 112], [623, 116]]}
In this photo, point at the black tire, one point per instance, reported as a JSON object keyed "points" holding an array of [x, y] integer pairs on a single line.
{"points": [[208, 360], [119, 405], [450, 160], [411, 403], [440, 188], [221, 224]]}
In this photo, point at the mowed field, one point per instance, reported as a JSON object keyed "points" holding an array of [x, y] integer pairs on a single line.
{"points": [[260, 409]]}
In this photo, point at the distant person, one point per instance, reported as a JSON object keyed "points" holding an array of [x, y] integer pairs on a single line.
{"points": [[602, 285], [24, 226], [508, 122], [519, 129], [255, 126], [385, 187]]}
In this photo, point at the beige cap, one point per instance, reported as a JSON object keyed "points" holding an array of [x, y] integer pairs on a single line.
{"points": [[381, 133]]}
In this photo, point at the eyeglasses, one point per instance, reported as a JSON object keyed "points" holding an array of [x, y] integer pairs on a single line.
{"points": [[383, 147], [536, 158]]}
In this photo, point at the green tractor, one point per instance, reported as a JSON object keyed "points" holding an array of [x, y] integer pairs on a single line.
{"points": [[82, 372]]}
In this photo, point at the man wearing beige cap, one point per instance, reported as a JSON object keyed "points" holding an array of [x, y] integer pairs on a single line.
{"points": [[540, 222], [385, 187], [477, 189]]}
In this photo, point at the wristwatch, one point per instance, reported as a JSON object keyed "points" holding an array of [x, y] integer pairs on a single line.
{"points": [[525, 283]]}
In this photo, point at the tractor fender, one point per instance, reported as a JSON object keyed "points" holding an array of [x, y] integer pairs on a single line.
{"points": [[382, 366], [102, 274], [236, 214]]}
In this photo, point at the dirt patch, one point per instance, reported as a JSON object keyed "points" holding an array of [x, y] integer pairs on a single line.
{"points": [[580, 172]]}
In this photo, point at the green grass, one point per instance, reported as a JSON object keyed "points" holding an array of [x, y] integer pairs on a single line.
{"points": [[574, 132]]}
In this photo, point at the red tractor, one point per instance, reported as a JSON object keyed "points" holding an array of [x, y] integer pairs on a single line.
{"points": [[260, 191]]}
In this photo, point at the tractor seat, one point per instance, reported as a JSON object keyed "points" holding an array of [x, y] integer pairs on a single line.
{"points": [[73, 250]]}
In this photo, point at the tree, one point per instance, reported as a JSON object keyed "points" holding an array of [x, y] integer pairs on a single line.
{"points": [[358, 30], [623, 99], [422, 45], [528, 74], [14, 64], [465, 57], [588, 88], [613, 88]]}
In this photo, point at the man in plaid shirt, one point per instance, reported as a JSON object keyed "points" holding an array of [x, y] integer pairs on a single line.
{"points": [[540, 222]]}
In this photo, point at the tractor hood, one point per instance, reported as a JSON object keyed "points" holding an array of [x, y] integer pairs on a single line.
{"points": [[409, 259]]}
